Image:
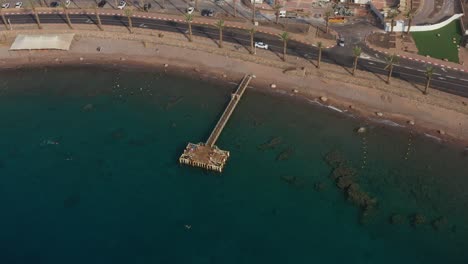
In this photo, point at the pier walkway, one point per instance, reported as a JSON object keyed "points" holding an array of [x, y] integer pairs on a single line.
{"points": [[207, 155], [235, 98]]}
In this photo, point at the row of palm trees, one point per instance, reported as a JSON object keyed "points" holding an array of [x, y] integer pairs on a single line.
{"points": [[391, 60]]}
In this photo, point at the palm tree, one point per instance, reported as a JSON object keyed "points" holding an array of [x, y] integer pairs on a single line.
{"points": [[357, 52], [253, 11], [252, 33], [284, 37], [391, 61], [319, 59], [66, 15], [189, 19], [220, 26], [38, 21], [234, 5], [129, 13], [392, 14], [277, 8], [327, 16], [429, 73], [98, 18], [409, 15], [3, 16]]}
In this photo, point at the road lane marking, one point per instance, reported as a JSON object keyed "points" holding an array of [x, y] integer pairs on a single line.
{"points": [[370, 63], [451, 77], [442, 78]]}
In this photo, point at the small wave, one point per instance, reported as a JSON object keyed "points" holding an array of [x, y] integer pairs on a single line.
{"points": [[387, 122], [334, 108], [433, 137]]}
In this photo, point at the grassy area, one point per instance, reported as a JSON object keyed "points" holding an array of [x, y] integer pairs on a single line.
{"points": [[441, 47]]}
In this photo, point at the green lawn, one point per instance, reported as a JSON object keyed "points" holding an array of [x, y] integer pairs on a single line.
{"points": [[442, 47]]}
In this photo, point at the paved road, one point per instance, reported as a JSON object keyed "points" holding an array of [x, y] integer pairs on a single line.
{"points": [[446, 80], [422, 15]]}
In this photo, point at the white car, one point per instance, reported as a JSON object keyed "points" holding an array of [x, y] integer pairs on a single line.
{"points": [[67, 3], [19, 5], [341, 42], [6, 5], [122, 4], [261, 45], [190, 10]]}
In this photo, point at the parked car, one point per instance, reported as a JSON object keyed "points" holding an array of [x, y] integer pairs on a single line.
{"points": [[341, 42], [261, 45], [102, 3], [207, 12], [67, 3], [6, 5], [287, 14], [54, 4], [122, 5], [147, 7], [19, 5], [190, 10]]}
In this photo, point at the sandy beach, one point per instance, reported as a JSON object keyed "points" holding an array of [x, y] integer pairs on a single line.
{"points": [[438, 114]]}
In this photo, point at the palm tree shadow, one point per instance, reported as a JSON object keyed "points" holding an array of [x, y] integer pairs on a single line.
{"points": [[203, 33], [124, 23], [238, 13], [160, 5], [175, 7]]}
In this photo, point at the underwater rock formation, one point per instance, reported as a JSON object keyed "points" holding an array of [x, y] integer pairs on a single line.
{"points": [[439, 223], [272, 143], [418, 219], [285, 154], [397, 219]]}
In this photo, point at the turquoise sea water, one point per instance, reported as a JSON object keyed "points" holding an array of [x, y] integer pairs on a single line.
{"points": [[89, 174]]}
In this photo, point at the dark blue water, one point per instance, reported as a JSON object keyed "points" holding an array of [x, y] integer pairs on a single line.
{"points": [[89, 174]]}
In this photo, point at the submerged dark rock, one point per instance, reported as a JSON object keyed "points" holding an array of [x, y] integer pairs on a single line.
{"points": [[285, 154], [272, 143], [289, 179], [439, 223], [418, 219], [335, 159], [397, 219], [173, 102]]}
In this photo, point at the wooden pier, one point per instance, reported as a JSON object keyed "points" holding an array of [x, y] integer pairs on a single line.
{"points": [[207, 155]]}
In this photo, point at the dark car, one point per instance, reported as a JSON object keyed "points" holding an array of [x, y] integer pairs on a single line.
{"points": [[102, 3], [207, 12], [54, 4], [147, 7]]}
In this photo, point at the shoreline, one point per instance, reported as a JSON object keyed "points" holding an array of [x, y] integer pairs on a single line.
{"points": [[339, 107], [309, 88]]}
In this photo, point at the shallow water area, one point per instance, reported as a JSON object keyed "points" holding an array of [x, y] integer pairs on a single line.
{"points": [[89, 174]]}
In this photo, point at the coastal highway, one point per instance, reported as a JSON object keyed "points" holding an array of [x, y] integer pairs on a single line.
{"points": [[447, 80]]}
